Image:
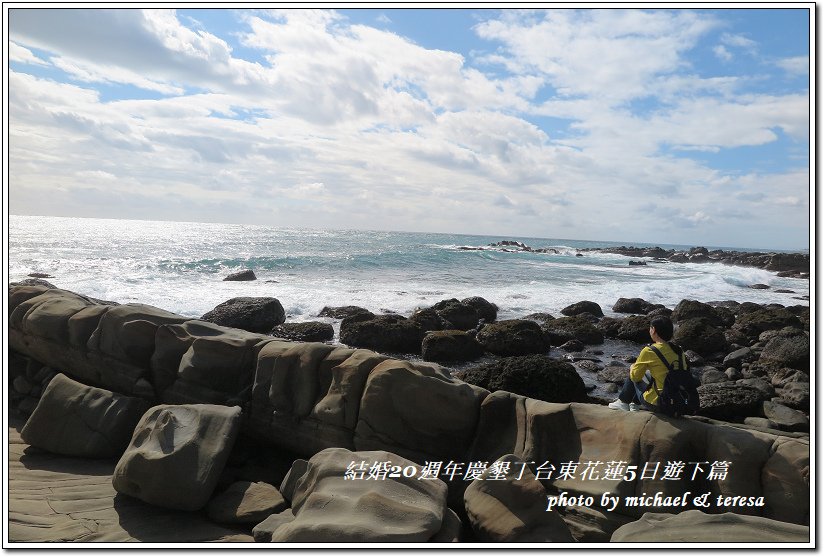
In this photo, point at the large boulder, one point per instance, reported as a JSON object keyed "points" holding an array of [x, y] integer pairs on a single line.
{"points": [[784, 417], [362, 497], [753, 323], [792, 352], [696, 526], [457, 315], [729, 401], [635, 328], [610, 326], [450, 346], [486, 309], [256, 315], [796, 394], [583, 307], [505, 505], [702, 337], [691, 309], [306, 331], [77, 420], [246, 502], [417, 411], [633, 305], [246, 274], [536, 376], [383, 333], [577, 327], [177, 454], [342, 312], [513, 337]]}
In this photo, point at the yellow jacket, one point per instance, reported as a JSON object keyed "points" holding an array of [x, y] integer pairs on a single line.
{"points": [[648, 360]]}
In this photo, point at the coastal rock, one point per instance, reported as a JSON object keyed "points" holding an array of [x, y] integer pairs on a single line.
{"points": [[176, 455], [633, 305], [758, 383], [246, 503], [77, 420], [784, 417], [609, 326], [246, 274], [535, 376], [737, 357], [728, 401], [262, 532], [699, 335], [573, 345], [502, 508], [796, 395], [781, 377], [712, 375], [342, 312], [457, 315], [563, 329], [486, 310], [382, 333], [792, 352], [417, 411], [539, 317], [693, 525], [583, 307], [402, 509], [614, 374], [513, 337], [635, 328], [752, 324], [450, 346], [256, 315], [427, 320], [306, 331], [33, 282], [690, 309]]}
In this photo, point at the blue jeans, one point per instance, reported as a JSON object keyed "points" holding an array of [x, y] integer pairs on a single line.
{"points": [[633, 392]]}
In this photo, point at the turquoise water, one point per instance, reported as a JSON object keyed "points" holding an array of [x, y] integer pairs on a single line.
{"points": [[180, 267]]}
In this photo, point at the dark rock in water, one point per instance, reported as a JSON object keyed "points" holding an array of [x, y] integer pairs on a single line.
{"points": [[614, 374], [486, 310], [753, 323], [33, 282], [573, 345], [342, 312], [450, 346], [728, 401], [256, 315], [759, 286], [690, 309], [792, 352], [246, 274], [633, 305], [382, 333], [539, 317], [609, 326], [590, 365], [583, 307], [579, 255], [457, 315], [699, 335], [427, 319], [514, 337], [577, 328], [40, 275], [663, 312], [635, 328], [534, 376], [784, 291], [307, 331], [637, 263]]}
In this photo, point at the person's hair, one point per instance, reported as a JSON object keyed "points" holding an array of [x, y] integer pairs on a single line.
{"points": [[662, 326]]}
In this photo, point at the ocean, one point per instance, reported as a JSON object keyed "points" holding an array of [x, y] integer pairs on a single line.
{"points": [[180, 266]]}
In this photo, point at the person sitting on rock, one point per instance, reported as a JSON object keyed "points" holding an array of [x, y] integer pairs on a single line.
{"points": [[637, 392]]}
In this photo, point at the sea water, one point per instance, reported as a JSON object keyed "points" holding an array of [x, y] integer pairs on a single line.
{"points": [[180, 266]]}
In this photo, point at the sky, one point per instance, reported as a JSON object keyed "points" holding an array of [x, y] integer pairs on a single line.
{"points": [[670, 126]]}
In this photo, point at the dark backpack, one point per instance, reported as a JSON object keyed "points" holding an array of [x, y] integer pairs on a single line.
{"points": [[679, 396]]}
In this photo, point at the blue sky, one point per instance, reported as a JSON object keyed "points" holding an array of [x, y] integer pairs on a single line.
{"points": [[672, 126]]}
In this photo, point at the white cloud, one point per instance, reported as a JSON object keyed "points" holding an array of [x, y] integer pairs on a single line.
{"points": [[795, 65], [722, 53], [738, 41], [23, 55]]}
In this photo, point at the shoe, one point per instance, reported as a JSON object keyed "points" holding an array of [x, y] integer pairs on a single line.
{"points": [[618, 405], [633, 407]]}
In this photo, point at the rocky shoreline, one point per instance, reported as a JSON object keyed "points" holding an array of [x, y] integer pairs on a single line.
{"points": [[794, 265], [296, 396]]}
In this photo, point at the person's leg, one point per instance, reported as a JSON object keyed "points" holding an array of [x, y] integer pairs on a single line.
{"points": [[629, 392]]}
